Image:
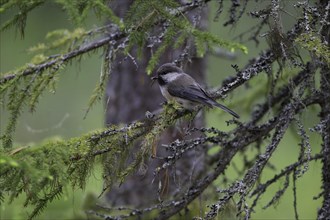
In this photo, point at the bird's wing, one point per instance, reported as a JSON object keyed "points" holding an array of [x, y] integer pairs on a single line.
{"points": [[192, 93], [195, 93]]}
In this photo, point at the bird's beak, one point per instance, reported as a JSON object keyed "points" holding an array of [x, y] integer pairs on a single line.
{"points": [[153, 79]]}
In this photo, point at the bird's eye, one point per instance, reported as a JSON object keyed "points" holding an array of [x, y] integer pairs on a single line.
{"points": [[161, 81]]}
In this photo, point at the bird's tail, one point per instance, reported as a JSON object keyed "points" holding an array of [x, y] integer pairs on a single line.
{"points": [[225, 109]]}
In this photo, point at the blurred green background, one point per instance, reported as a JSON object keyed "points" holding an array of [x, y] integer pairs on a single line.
{"points": [[61, 114]]}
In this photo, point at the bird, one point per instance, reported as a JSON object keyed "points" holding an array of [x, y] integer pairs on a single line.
{"points": [[176, 85]]}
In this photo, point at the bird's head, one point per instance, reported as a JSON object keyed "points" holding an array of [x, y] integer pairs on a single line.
{"points": [[167, 73]]}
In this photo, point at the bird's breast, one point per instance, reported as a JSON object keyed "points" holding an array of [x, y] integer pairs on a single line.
{"points": [[165, 93]]}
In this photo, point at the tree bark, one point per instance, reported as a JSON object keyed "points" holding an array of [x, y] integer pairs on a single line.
{"points": [[324, 212]]}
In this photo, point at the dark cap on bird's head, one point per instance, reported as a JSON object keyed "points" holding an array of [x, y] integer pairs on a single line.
{"points": [[165, 69], [168, 68]]}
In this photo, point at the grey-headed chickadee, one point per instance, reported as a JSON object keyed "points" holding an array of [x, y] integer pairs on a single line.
{"points": [[183, 89]]}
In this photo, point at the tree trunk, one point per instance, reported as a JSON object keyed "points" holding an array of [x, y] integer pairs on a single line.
{"points": [[129, 95]]}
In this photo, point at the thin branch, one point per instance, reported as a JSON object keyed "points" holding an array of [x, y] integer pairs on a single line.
{"points": [[261, 188], [285, 92], [294, 189], [279, 193]]}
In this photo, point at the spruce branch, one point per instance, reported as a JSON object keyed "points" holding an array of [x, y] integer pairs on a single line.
{"points": [[38, 69], [230, 149], [88, 47]]}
